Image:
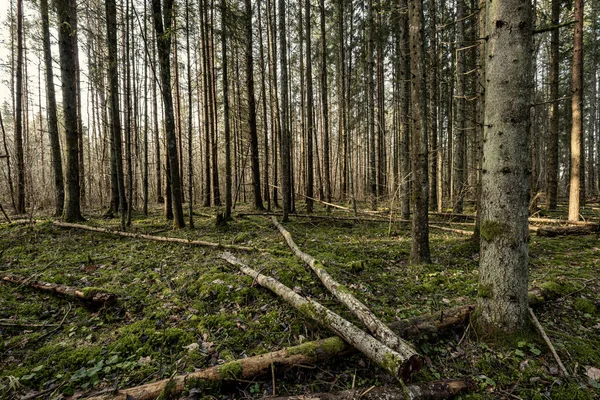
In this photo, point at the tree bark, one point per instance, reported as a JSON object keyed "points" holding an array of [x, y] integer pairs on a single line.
{"points": [[285, 142], [227, 127], [66, 10], [576, 112], [398, 365], [20, 205], [325, 105], [310, 120], [404, 89], [57, 169], [552, 146], [164, 44], [502, 294], [420, 230]]}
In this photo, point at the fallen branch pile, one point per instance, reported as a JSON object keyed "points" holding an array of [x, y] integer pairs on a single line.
{"points": [[155, 238], [362, 312], [90, 295], [396, 363], [568, 230]]}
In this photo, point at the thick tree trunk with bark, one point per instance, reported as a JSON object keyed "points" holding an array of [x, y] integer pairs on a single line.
{"points": [[552, 149], [576, 181], [20, 204], [325, 105], [310, 120], [404, 89], [164, 44], [59, 187], [227, 126], [502, 300], [285, 142], [420, 226], [66, 10]]}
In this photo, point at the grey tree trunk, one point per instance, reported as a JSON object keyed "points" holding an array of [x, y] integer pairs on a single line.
{"points": [[420, 230], [433, 107], [285, 142], [310, 120], [325, 105], [227, 128], [164, 45], [552, 146], [59, 187], [404, 89], [576, 112], [255, 156], [66, 10], [20, 205], [460, 143], [502, 293]]}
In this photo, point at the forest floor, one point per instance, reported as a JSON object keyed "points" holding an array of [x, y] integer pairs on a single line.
{"points": [[182, 308]]}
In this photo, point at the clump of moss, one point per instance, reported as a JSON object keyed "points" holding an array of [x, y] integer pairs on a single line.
{"points": [[231, 370], [490, 230], [585, 305], [484, 291]]}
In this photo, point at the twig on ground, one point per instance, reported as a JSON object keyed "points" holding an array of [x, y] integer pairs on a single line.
{"points": [[548, 342]]}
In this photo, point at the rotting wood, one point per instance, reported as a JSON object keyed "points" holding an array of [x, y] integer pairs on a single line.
{"points": [[561, 221], [314, 216], [155, 238], [398, 365], [91, 295], [373, 324], [453, 230], [568, 230], [435, 390], [245, 368]]}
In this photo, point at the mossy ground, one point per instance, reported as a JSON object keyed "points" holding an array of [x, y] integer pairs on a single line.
{"points": [[183, 308]]}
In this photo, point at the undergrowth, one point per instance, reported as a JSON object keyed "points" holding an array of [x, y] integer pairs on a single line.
{"points": [[182, 308]]}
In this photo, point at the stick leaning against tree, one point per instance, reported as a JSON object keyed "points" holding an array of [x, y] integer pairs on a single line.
{"points": [[375, 326]]}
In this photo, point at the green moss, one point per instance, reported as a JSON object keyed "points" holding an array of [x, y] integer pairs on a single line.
{"points": [[90, 291], [484, 291], [490, 230], [231, 370], [585, 305], [391, 363], [558, 287], [169, 391], [571, 391]]}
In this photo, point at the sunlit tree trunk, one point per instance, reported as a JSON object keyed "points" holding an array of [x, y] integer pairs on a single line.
{"points": [[19, 155], [552, 146]]}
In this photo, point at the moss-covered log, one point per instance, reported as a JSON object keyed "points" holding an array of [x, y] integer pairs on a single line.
{"points": [[568, 230], [435, 390], [373, 324], [397, 364], [93, 295], [155, 238], [246, 368]]}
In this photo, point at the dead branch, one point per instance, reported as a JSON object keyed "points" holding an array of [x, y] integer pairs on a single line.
{"points": [[155, 238], [93, 296], [561, 221], [548, 342], [245, 368], [5, 214], [373, 324], [435, 390], [568, 230], [398, 365], [459, 231]]}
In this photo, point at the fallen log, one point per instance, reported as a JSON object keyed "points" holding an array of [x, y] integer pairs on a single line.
{"points": [[568, 230], [436, 390], [155, 238], [245, 368], [459, 231], [454, 217], [324, 217], [560, 221], [397, 364], [93, 295], [373, 324]]}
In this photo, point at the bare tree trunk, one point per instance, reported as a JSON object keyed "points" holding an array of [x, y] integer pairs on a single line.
{"points": [[227, 129], [405, 97], [372, 163], [20, 205], [59, 188], [258, 204], [263, 94], [325, 105], [285, 142], [433, 106], [164, 45], [146, 127], [190, 119], [460, 143], [552, 149], [502, 293], [310, 120], [66, 10], [420, 230], [576, 112]]}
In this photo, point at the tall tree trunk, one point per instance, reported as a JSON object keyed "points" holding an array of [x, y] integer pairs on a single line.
{"points": [[59, 187], [325, 105], [433, 106], [146, 127], [263, 95], [460, 143], [552, 149], [19, 155], [274, 96], [420, 223], [502, 293], [66, 10], [342, 120], [576, 112], [310, 120], [405, 97], [190, 117], [372, 179], [254, 154], [206, 109], [228, 183], [213, 103], [285, 142], [128, 110], [164, 45], [158, 161], [118, 201], [380, 120]]}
